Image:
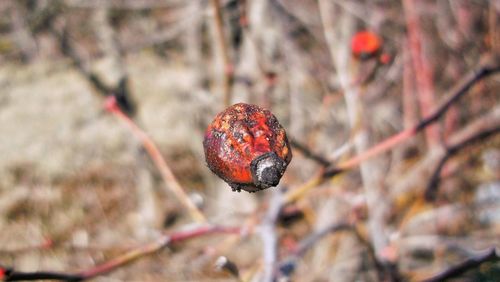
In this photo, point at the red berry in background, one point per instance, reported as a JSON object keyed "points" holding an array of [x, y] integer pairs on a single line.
{"points": [[247, 147], [385, 58], [365, 44]]}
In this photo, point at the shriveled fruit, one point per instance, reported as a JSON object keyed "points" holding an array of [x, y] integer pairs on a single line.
{"points": [[247, 147]]}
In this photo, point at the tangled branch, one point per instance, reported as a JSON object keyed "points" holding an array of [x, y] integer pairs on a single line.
{"points": [[126, 258]]}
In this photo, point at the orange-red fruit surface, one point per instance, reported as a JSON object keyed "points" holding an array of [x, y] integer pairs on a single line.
{"points": [[365, 44], [238, 136]]}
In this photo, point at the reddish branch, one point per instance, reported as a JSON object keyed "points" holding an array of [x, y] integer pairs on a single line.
{"points": [[452, 97], [422, 68], [409, 111], [491, 66], [126, 258], [159, 161]]}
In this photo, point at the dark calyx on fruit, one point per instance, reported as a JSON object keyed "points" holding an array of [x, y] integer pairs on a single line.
{"points": [[267, 170]]}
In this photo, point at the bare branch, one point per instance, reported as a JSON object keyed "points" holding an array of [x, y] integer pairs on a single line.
{"points": [[483, 71], [309, 154], [123, 4], [288, 264], [480, 135], [428, 163], [228, 66], [126, 258], [166, 173], [269, 237], [490, 255], [489, 67], [22, 35], [422, 68]]}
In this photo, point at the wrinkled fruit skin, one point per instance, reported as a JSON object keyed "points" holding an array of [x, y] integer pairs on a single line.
{"points": [[247, 147]]}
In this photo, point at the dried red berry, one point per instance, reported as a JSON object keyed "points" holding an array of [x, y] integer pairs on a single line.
{"points": [[365, 44], [247, 147]]}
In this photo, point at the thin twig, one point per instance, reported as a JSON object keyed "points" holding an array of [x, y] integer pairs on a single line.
{"points": [[459, 90], [410, 116], [490, 255], [310, 240], [297, 193], [22, 35], [129, 4], [269, 238], [158, 159], [289, 264], [126, 258], [424, 169], [74, 52], [452, 97], [228, 67], [422, 68], [309, 154], [107, 38], [432, 188], [340, 29], [158, 38]]}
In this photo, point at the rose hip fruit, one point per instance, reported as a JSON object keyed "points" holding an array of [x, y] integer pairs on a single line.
{"points": [[365, 44], [247, 147]]}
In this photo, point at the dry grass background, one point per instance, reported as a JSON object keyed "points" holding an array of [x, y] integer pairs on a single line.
{"points": [[77, 189]]}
